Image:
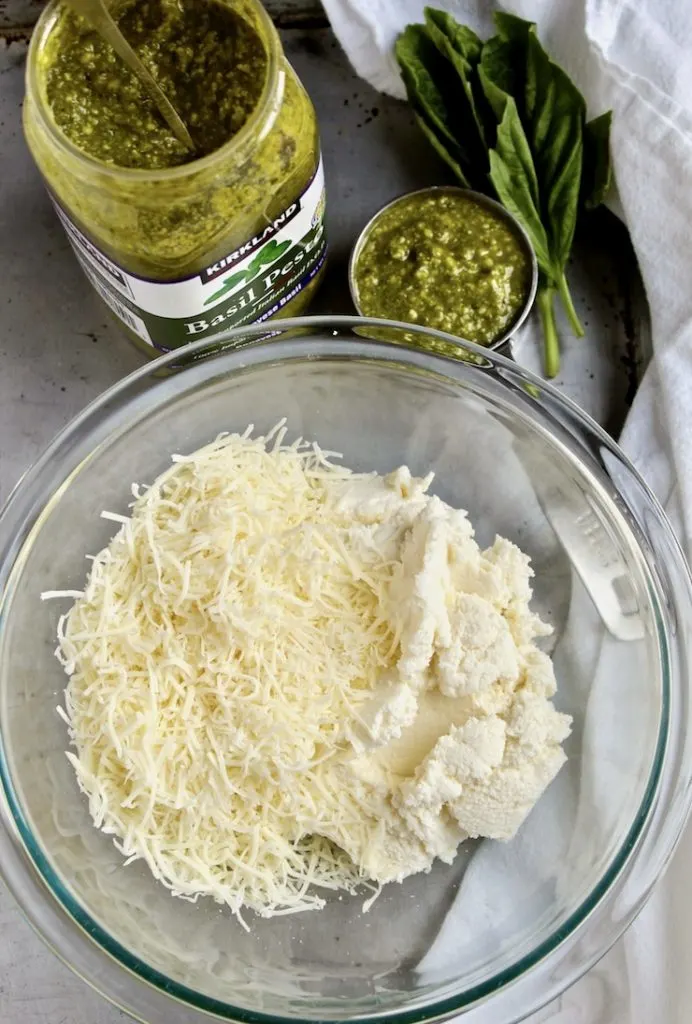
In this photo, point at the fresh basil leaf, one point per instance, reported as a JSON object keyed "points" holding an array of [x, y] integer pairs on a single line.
{"points": [[462, 48], [497, 78], [442, 150], [512, 28], [512, 46], [497, 72], [513, 176], [450, 154], [464, 40], [552, 111], [419, 61], [555, 112], [505, 56], [512, 170], [597, 175]]}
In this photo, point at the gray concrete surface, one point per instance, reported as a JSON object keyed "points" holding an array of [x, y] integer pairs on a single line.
{"points": [[58, 348]]}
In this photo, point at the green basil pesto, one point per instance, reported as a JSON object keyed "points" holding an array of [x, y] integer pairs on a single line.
{"points": [[443, 260], [210, 63]]}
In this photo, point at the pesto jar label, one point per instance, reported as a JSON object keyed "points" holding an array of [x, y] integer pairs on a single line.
{"points": [[246, 285]]}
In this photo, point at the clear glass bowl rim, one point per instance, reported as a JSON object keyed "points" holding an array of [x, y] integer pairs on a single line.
{"points": [[71, 933]]}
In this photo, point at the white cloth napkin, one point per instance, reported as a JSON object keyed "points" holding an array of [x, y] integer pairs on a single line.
{"points": [[634, 56]]}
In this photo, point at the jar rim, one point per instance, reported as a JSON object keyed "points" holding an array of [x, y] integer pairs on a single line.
{"points": [[255, 129]]}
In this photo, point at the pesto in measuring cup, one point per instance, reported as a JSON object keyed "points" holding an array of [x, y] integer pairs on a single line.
{"points": [[446, 258]]}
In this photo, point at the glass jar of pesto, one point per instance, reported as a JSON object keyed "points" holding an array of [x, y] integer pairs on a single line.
{"points": [[180, 246]]}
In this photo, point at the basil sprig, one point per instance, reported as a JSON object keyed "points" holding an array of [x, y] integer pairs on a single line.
{"points": [[510, 122]]}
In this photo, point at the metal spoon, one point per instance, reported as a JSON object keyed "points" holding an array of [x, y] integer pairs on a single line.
{"points": [[96, 13]]}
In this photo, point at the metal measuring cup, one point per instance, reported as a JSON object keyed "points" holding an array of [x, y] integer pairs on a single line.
{"points": [[500, 343]]}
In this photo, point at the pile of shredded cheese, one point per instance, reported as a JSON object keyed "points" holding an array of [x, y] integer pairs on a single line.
{"points": [[239, 637], [224, 637]]}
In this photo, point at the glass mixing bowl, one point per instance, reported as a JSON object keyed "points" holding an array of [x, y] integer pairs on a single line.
{"points": [[506, 927]]}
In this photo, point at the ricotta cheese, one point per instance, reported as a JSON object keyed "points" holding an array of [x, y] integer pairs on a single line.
{"points": [[284, 676]]}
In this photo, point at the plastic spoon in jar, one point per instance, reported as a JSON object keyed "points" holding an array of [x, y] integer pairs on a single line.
{"points": [[96, 13]]}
